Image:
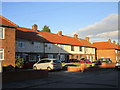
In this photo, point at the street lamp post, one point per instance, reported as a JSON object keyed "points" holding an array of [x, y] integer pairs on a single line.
{"points": [[0, 66]]}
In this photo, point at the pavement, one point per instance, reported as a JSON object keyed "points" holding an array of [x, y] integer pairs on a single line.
{"points": [[101, 78]]}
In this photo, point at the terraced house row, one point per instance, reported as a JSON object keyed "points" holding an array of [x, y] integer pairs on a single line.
{"points": [[32, 44]]}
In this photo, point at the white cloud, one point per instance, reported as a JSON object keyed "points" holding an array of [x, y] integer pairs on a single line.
{"points": [[104, 29]]}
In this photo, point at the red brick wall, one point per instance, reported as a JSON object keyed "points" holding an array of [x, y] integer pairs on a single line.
{"points": [[9, 47], [108, 53]]}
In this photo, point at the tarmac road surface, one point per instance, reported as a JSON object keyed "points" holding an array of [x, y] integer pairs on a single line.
{"points": [[101, 78]]}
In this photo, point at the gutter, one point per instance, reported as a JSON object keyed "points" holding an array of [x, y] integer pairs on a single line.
{"points": [[1, 25]]}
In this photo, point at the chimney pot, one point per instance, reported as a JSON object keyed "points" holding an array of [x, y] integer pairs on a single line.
{"points": [[35, 27], [76, 36], [59, 33], [109, 40], [114, 42], [87, 38]]}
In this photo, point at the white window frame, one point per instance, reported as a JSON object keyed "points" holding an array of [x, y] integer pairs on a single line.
{"points": [[116, 51], [116, 58], [3, 53], [3, 33], [23, 44], [37, 44], [49, 45]]}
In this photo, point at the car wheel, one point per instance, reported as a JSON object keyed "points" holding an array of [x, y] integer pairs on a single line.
{"points": [[48, 68], [35, 68]]}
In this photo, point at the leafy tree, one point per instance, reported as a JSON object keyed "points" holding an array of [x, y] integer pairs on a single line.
{"points": [[46, 29]]}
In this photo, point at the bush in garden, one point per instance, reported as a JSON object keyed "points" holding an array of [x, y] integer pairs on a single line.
{"points": [[19, 62]]}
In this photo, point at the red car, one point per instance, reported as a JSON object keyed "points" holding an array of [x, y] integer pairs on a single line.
{"points": [[85, 61]]}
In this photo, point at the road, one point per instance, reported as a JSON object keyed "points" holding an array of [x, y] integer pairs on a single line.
{"points": [[101, 78]]}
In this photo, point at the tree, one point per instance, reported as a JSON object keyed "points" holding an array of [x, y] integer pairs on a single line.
{"points": [[46, 29]]}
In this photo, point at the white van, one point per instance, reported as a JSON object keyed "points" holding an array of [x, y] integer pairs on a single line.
{"points": [[48, 63]]}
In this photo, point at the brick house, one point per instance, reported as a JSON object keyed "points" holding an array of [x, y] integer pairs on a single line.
{"points": [[31, 44], [66, 47], [108, 50], [7, 41], [52, 45]]}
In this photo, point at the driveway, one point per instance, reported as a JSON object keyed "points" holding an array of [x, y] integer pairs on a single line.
{"points": [[101, 78]]}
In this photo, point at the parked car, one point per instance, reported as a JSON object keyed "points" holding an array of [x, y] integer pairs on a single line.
{"points": [[83, 60], [48, 63], [87, 61], [101, 60], [74, 60], [117, 66]]}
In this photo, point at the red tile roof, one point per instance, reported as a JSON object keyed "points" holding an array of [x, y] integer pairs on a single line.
{"points": [[53, 38], [106, 45], [5, 21], [28, 34]]}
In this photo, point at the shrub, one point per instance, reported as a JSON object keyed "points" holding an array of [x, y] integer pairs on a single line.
{"points": [[8, 68], [19, 62]]}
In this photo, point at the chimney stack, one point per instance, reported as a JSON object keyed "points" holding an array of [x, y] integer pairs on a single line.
{"points": [[59, 33], [114, 42], [35, 27], [76, 36], [109, 40], [87, 38]]}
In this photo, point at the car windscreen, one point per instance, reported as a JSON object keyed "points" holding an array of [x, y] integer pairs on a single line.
{"points": [[44, 61], [57, 61]]}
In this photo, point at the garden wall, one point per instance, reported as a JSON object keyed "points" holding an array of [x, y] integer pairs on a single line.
{"points": [[23, 75]]}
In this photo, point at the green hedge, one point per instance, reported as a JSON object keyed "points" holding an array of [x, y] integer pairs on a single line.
{"points": [[78, 64]]}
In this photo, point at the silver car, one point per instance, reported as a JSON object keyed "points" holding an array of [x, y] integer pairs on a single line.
{"points": [[48, 63]]}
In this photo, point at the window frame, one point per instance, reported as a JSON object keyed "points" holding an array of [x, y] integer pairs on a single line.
{"points": [[80, 48], [72, 48], [3, 53], [49, 45], [3, 32], [19, 43]]}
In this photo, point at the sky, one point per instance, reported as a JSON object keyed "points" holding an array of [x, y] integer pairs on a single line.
{"points": [[97, 20]]}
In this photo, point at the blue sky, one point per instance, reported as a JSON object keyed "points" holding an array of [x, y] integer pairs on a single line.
{"points": [[66, 16]]}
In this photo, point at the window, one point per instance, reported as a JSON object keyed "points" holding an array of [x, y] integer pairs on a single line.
{"points": [[33, 58], [62, 57], [50, 55], [80, 56], [116, 51], [49, 46], [87, 57], [80, 48], [20, 44], [1, 54], [2, 32], [37, 44], [72, 48]]}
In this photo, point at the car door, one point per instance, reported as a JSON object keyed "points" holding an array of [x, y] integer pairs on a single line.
{"points": [[41, 64]]}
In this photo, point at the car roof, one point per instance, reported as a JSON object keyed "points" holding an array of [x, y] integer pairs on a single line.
{"points": [[49, 59]]}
